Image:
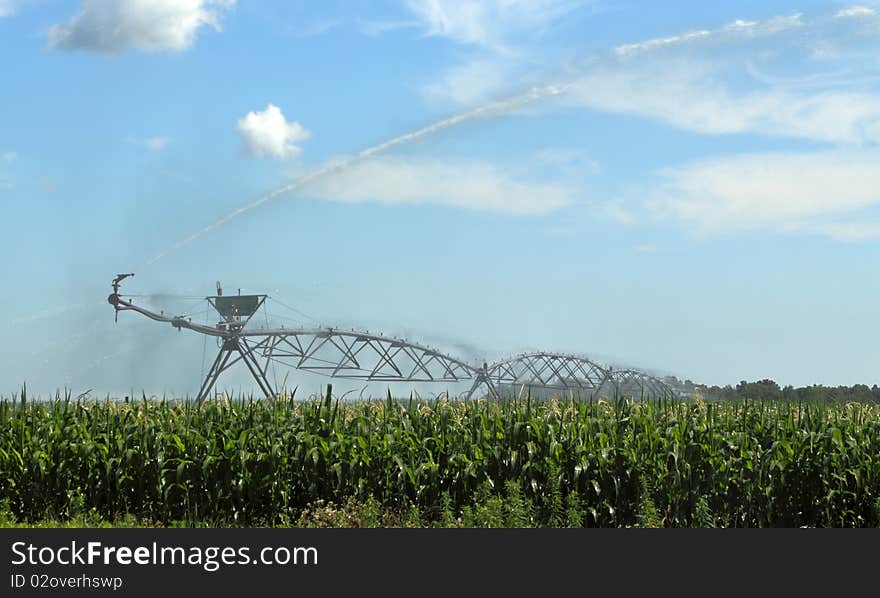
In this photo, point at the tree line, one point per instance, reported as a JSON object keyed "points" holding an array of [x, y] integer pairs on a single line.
{"points": [[769, 390]]}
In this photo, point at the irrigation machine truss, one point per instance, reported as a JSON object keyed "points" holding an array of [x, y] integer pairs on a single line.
{"points": [[361, 355]]}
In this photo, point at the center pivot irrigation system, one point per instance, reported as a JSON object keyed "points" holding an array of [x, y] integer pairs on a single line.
{"points": [[359, 355]]}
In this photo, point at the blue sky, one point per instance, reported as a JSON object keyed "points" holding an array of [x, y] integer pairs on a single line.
{"points": [[690, 187]]}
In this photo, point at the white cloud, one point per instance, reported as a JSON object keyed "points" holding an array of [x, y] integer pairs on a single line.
{"points": [[374, 28], [7, 9], [9, 156], [713, 94], [113, 26], [488, 23], [844, 231], [570, 161], [468, 83], [823, 192], [706, 81], [616, 211], [157, 143], [318, 28], [268, 133], [855, 11], [500, 29], [688, 95], [469, 185]]}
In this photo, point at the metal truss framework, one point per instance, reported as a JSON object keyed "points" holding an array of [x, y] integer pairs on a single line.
{"points": [[574, 375], [358, 355], [541, 370], [635, 383]]}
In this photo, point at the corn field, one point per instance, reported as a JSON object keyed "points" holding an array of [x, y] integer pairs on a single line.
{"points": [[536, 463]]}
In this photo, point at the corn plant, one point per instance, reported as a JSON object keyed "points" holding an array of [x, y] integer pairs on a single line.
{"points": [[517, 462]]}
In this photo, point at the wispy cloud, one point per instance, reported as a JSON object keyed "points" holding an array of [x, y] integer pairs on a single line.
{"points": [[691, 95], [469, 83], [9, 156], [7, 8], [318, 28], [502, 36], [708, 81], [469, 185], [846, 231], [156, 143], [617, 211], [572, 162], [373, 27], [112, 27], [268, 133], [489, 23], [716, 91], [822, 192], [855, 11]]}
